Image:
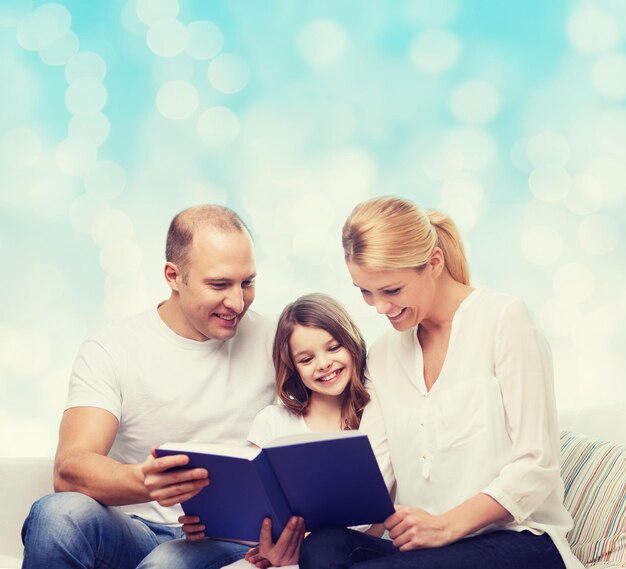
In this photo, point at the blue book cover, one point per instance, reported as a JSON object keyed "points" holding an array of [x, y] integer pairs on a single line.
{"points": [[327, 478]]}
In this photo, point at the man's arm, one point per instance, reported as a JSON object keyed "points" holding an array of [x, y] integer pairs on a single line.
{"points": [[81, 465]]}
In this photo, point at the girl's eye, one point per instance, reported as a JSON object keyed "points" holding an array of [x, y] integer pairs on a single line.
{"points": [[305, 360], [392, 291], [335, 347]]}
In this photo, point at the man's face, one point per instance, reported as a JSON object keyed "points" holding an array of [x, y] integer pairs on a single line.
{"points": [[219, 285]]}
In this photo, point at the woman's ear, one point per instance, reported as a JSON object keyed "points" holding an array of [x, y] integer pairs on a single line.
{"points": [[172, 275], [436, 262]]}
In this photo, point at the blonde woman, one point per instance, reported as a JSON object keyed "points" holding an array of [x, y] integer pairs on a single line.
{"points": [[465, 385]]}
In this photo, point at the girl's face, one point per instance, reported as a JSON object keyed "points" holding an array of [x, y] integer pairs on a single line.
{"points": [[322, 363], [404, 296]]}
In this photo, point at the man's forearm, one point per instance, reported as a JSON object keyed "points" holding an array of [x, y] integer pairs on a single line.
{"points": [[100, 477]]}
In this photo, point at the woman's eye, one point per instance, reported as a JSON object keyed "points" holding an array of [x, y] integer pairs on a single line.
{"points": [[392, 291]]}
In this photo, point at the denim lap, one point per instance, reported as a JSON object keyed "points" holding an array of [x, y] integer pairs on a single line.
{"points": [[338, 548], [69, 530]]}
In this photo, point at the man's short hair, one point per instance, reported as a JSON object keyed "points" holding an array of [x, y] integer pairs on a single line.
{"points": [[187, 222]]}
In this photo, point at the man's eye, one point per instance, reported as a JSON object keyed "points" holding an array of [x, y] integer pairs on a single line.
{"points": [[218, 286], [247, 284]]}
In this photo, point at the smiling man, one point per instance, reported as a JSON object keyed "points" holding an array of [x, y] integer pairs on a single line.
{"points": [[196, 368]]}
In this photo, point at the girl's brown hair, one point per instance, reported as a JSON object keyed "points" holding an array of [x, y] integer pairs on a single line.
{"points": [[392, 233], [320, 311]]}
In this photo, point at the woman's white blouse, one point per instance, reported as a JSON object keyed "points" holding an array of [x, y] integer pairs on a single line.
{"points": [[488, 424]]}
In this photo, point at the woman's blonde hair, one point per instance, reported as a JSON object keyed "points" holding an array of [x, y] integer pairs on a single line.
{"points": [[391, 233], [320, 311]]}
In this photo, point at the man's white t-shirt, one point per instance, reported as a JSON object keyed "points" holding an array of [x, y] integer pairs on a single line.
{"points": [[488, 424], [165, 388]]}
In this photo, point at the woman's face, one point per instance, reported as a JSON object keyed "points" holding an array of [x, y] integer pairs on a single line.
{"points": [[404, 296]]}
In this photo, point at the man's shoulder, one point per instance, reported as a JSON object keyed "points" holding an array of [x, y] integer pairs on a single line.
{"points": [[122, 331]]}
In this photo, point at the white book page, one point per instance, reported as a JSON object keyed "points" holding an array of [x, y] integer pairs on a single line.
{"points": [[247, 452]]}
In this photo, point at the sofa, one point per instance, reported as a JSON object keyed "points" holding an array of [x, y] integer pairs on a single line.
{"points": [[593, 468]]}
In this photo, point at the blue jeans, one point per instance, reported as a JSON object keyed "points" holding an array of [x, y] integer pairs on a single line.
{"points": [[71, 530], [336, 548]]}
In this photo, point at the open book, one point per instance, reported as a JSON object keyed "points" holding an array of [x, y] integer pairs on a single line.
{"points": [[330, 479]]}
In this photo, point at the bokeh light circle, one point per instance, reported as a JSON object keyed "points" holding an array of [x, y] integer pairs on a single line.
{"points": [[167, 38], [204, 40], [218, 127], [574, 282], [559, 317], [105, 179], [111, 226], [85, 64], [177, 100], [550, 184], [152, 11], [435, 51], [585, 195], [60, 51], [608, 76], [12, 12], [43, 26], [542, 245], [548, 149], [21, 148], [322, 42], [592, 31], [471, 149], [75, 155], [598, 234], [94, 127], [228, 73], [86, 96], [475, 102]]}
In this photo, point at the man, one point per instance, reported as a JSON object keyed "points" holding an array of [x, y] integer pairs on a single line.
{"points": [[197, 368]]}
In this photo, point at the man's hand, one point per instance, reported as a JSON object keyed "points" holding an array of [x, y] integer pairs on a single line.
{"points": [[192, 527], [412, 528], [285, 551], [172, 487]]}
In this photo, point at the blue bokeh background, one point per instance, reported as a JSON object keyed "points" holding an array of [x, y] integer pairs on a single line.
{"points": [[115, 115]]}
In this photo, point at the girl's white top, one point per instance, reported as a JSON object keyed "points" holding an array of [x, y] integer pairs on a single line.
{"points": [[488, 424]]}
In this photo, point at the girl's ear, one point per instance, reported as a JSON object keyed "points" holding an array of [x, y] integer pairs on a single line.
{"points": [[436, 262]]}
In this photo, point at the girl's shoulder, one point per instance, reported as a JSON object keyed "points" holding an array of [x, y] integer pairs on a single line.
{"points": [[277, 413]]}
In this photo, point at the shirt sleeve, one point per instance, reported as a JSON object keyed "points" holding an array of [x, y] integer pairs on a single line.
{"points": [[95, 380], [523, 368], [373, 425], [264, 427]]}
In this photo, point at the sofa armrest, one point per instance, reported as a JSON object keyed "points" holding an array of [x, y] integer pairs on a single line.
{"points": [[24, 480]]}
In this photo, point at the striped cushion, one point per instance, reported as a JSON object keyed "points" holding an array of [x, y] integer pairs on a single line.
{"points": [[594, 475]]}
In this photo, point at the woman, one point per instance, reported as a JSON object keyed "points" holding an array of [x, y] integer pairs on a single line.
{"points": [[465, 387]]}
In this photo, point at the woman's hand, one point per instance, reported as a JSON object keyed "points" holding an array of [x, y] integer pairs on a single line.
{"points": [[412, 528], [192, 527]]}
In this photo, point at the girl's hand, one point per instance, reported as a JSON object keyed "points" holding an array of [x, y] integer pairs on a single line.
{"points": [[412, 528], [253, 556], [192, 527], [286, 551]]}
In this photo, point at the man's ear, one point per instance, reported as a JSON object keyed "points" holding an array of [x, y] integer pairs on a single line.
{"points": [[436, 262], [173, 276]]}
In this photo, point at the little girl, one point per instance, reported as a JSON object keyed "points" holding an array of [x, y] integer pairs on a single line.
{"points": [[319, 358]]}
